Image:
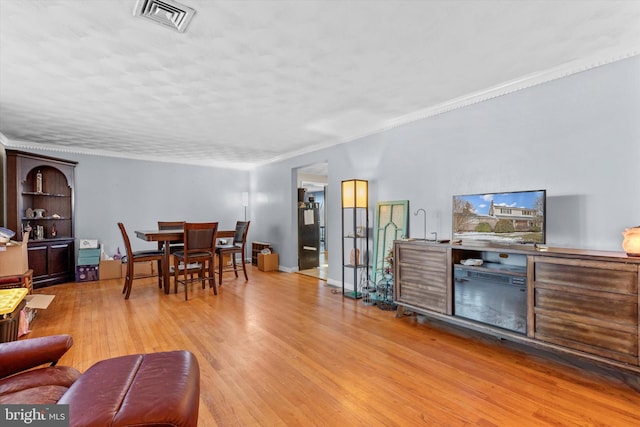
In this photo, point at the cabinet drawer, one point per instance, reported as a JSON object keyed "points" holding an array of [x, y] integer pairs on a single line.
{"points": [[595, 275], [430, 297], [434, 258], [618, 344], [588, 307], [421, 278]]}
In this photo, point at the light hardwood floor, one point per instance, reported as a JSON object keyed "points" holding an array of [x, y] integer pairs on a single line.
{"points": [[284, 350]]}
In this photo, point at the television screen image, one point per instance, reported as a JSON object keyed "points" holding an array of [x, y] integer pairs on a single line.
{"points": [[511, 217]]}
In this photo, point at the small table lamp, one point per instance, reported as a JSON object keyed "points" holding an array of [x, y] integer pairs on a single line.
{"points": [[631, 242]]}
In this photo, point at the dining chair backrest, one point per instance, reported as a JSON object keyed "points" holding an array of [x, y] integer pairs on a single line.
{"points": [[199, 236], [242, 228], [125, 237]]}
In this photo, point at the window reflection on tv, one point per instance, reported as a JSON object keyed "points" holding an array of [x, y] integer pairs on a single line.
{"points": [[512, 217]]}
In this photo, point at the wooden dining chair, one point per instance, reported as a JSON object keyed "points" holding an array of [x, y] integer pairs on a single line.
{"points": [[199, 249], [237, 246], [132, 257]]}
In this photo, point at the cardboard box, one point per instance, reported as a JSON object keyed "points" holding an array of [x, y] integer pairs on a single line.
{"points": [[88, 260], [268, 262], [86, 273], [141, 269], [89, 252], [110, 269], [35, 303], [88, 257], [88, 244], [13, 257]]}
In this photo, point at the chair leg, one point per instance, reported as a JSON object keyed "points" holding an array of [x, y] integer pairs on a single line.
{"points": [[212, 277], [128, 281], [160, 271], [124, 286], [244, 268], [185, 282], [235, 267], [220, 257], [176, 275]]}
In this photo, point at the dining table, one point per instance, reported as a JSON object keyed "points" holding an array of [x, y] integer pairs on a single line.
{"points": [[165, 236]]}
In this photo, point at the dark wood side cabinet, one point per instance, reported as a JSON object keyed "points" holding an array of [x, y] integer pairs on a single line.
{"points": [[40, 196], [578, 302]]}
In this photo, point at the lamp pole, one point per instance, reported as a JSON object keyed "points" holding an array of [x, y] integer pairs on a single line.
{"points": [[245, 202]]}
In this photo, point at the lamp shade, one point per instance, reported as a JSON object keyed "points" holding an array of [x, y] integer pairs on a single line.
{"points": [[355, 193]]}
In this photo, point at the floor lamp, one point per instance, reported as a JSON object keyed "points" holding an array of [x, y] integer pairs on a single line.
{"points": [[245, 202]]}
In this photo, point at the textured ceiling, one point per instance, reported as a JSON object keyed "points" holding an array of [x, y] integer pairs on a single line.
{"points": [[254, 81]]}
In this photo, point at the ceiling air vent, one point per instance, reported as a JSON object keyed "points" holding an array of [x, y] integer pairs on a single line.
{"points": [[166, 12]]}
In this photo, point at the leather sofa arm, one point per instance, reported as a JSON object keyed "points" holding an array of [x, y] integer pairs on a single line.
{"points": [[18, 356]]}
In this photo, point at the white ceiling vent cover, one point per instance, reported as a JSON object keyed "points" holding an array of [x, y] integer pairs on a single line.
{"points": [[166, 12]]}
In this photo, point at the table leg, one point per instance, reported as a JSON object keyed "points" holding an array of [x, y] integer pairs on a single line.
{"points": [[165, 268]]}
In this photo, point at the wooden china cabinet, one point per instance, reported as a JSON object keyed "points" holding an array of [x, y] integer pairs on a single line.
{"points": [[40, 199]]}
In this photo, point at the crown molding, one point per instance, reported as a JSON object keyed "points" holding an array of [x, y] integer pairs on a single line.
{"points": [[29, 145], [524, 82]]}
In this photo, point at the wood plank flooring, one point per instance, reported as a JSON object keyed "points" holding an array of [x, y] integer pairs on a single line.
{"points": [[285, 350]]}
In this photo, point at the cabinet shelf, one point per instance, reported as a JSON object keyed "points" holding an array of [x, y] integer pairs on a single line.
{"points": [[34, 193], [51, 239], [518, 272], [47, 218], [356, 266]]}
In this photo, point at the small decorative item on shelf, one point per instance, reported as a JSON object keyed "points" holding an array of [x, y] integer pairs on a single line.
{"points": [[39, 213], [354, 256], [54, 231], [28, 229], [28, 213], [39, 232], [631, 242], [39, 182]]}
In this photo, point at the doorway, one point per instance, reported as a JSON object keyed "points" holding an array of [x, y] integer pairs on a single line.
{"points": [[313, 259]]}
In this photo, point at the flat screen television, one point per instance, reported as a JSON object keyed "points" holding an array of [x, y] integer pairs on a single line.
{"points": [[505, 218]]}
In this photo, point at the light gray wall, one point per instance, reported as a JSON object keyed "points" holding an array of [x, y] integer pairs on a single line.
{"points": [[577, 137], [140, 193]]}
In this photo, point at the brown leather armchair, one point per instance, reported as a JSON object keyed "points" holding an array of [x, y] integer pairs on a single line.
{"points": [[141, 389], [19, 383]]}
